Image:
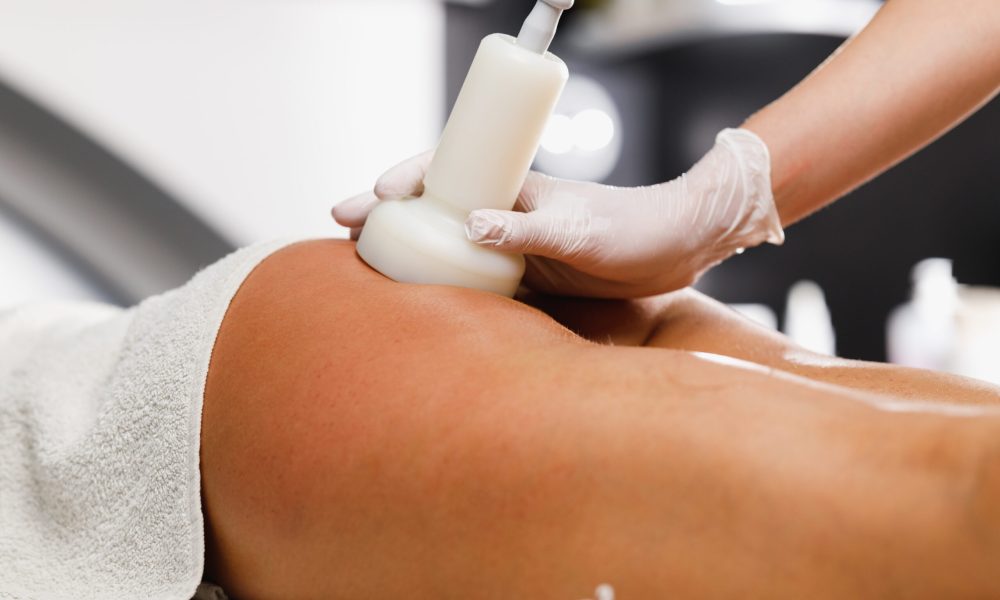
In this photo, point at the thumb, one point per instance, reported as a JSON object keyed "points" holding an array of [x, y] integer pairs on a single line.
{"points": [[405, 179], [539, 233], [353, 212]]}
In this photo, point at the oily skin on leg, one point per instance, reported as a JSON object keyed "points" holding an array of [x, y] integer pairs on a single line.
{"points": [[363, 438], [688, 320]]}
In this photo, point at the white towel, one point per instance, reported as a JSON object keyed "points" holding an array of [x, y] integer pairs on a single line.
{"points": [[100, 425]]}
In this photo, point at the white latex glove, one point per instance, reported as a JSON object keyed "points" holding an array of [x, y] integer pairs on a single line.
{"points": [[587, 239]]}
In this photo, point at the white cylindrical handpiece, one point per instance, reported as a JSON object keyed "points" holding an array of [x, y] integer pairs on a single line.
{"points": [[482, 160], [496, 126]]}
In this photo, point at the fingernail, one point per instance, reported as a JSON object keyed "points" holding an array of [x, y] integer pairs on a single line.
{"points": [[485, 228]]}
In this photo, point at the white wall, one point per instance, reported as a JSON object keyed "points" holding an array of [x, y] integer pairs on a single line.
{"points": [[260, 114], [29, 271]]}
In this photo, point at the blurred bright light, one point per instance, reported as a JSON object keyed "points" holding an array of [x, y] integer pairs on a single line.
{"points": [[559, 137], [636, 26], [588, 131], [593, 130], [582, 139]]}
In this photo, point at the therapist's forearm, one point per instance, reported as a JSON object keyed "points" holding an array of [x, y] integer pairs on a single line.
{"points": [[916, 71]]}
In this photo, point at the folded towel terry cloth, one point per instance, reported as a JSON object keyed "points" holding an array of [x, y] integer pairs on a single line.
{"points": [[100, 424]]}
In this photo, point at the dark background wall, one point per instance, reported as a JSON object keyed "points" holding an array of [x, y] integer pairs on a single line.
{"points": [[943, 202]]}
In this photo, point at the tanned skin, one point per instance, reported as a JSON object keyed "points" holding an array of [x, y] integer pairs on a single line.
{"points": [[369, 439], [917, 70]]}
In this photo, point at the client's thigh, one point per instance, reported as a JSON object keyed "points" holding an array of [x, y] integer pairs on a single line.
{"points": [[349, 436], [364, 439]]}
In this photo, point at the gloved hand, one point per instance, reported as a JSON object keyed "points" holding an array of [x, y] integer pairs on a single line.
{"points": [[587, 239]]}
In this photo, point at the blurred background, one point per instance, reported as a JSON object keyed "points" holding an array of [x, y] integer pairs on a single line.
{"points": [[140, 141]]}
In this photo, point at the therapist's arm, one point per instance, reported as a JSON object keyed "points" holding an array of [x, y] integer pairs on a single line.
{"points": [[917, 70]]}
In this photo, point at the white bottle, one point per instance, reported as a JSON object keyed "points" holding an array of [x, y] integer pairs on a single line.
{"points": [[807, 319], [922, 333], [481, 161]]}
